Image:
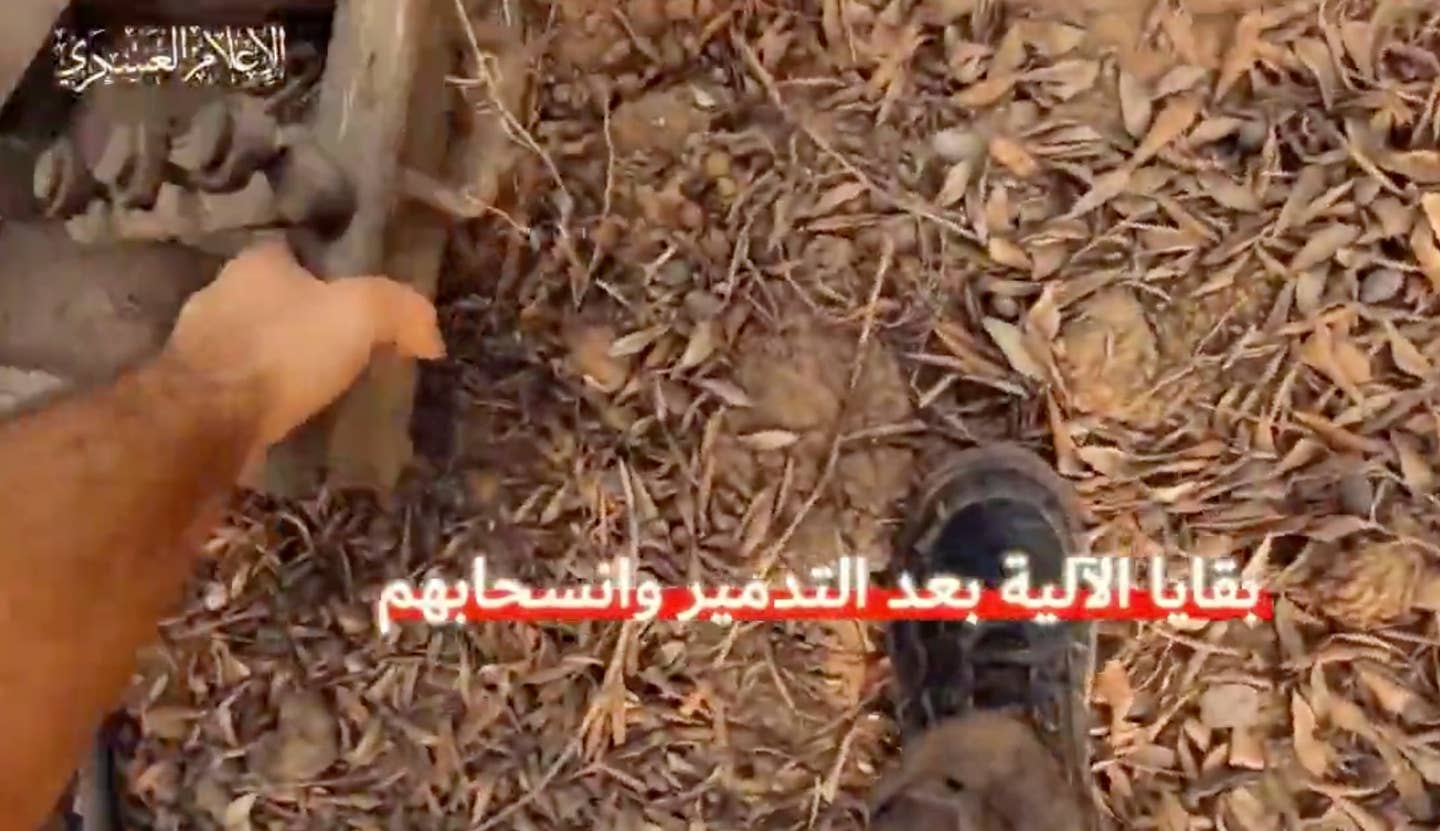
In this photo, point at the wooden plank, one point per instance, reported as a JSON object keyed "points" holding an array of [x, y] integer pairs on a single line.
{"points": [[370, 434], [368, 97]]}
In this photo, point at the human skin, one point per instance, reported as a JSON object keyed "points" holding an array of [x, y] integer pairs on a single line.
{"points": [[106, 497]]}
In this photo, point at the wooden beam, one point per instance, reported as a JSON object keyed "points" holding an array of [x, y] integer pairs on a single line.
{"points": [[370, 436], [384, 73]]}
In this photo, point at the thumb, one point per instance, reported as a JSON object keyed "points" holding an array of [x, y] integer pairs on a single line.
{"points": [[401, 316]]}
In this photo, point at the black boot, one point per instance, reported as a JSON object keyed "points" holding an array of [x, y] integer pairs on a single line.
{"points": [[1015, 682]]}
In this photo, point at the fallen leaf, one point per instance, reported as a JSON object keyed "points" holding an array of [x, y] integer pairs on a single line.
{"points": [[1136, 108], [633, 343], [726, 391], [1427, 255], [1314, 755], [1332, 528], [986, 92], [1007, 253], [1112, 687], [1392, 696], [1243, 52], [703, 340], [1405, 355], [1246, 751], [237, 813], [1012, 344], [957, 181], [1414, 469], [1229, 193], [1230, 706], [837, 196], [1105, 187], [1013, 156], [765, 440], [303, 745], [1323, 245], [1170, 124], [591, 354], [1106, 460]]}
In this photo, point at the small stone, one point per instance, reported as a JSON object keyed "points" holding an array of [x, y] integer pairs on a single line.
{"points": [[717, 164], [1381, 285], [676, 272], [957, 144], [1005, 306], [702, 305], [1356, 494]]}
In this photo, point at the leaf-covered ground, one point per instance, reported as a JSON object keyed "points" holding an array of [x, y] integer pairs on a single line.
{"points": [[741, 273]]}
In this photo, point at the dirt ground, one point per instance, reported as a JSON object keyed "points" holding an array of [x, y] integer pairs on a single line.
{"points": [[744, 271]]}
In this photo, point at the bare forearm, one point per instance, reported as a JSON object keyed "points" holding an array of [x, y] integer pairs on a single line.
{"points": [[103, 501]]}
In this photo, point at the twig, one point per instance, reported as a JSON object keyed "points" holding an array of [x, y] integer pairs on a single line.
{"points": [[908, 204], [512, 124], [540, 784]]}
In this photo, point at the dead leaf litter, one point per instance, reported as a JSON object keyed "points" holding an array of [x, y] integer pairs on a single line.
{"points": [[744, 269]]}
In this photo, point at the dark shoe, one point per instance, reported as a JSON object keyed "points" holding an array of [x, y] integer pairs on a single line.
{"points": [[988, 503]]}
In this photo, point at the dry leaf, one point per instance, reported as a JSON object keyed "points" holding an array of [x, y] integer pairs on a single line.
{"points": [[633, 343], [837, 196], [1230, 706], [726, 391], [1427, 255], [1112, 686], [237, 813], [1414, 469], [1393, 696], [1430, 205], [1170, 124], [1044, 316], [1106, 460], [1323, 245], [591, 354], [1246, 751], [1313, 754], [1244, 50], [703, 340], [1012, 344], [1013, 156], [1228, 193], [1007, 253], [1135, 106], [1332, 528], [957, 181], [769, 440], [1105, 187], [1406, 356], [986, 92]]}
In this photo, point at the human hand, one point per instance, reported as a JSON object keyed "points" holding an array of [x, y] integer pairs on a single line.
{"points": [[270, 328]]}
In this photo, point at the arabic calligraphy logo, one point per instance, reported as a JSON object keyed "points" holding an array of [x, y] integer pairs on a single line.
{"points": [[251, 57]]}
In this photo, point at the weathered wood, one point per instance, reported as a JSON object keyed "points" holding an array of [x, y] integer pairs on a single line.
{"points": [[369, 95], [370, 436]]}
